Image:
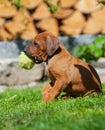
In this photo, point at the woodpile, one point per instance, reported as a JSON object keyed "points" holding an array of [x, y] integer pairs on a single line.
{"points": [[26, 18], [74, 24]]}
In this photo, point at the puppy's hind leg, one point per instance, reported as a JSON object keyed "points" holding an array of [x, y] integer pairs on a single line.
{"points": [[91, 92]]}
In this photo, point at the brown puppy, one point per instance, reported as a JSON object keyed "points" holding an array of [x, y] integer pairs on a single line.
{"points": [[67, 73]]}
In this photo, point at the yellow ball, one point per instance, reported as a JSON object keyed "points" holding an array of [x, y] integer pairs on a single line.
{"points": [[25, 62]]}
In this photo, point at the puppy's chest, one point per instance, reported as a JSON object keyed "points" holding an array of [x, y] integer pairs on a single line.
{"points": [[49, 74], [48, 71]]}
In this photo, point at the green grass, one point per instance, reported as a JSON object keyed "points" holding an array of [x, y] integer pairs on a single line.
{"points": [[24, 110]]}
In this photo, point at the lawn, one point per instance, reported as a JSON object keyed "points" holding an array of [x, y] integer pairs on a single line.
{"points": [[24, 110]]}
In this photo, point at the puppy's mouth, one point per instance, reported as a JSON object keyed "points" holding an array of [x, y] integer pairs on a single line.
{"points": [[37, 60]]}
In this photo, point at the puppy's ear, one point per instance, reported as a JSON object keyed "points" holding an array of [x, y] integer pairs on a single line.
{"points": [[52, 45]]}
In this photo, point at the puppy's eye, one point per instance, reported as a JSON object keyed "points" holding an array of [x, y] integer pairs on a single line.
{"points": [[35, 44]]}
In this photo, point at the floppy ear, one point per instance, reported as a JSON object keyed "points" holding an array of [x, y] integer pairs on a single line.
{"points": [[52, 45]]}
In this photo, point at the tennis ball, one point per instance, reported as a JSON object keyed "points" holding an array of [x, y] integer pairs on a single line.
{"points": [[25, 62]]}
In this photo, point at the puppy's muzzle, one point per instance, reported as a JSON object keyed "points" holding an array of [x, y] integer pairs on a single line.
{"points": [[36, 59]]}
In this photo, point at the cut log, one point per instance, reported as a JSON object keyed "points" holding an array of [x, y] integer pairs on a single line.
{"points": [[4, 35], [50, 25], [99, 16], [2, 21], [92, 27], [67, 3], [41, 12], [30, 4], [74, 24], [30, 32], [22, 16], [14, 28], [87, 6], [8, 12], [71, 31], [76, 18], [62, 13]]}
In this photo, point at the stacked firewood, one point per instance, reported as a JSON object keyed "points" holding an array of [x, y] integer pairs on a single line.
{"points": [[26, 18]]}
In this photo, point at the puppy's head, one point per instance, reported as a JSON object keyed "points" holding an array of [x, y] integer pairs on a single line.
{"points": [[43, 45]]}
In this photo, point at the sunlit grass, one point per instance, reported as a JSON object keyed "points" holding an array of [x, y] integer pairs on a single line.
{"points": [[24, 110]]}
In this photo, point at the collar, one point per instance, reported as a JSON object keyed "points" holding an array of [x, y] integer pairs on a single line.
{"points": [[55, 53]]}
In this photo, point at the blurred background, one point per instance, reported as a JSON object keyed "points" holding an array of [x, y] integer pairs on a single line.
{"points": [[79, 24], [23, 19]]}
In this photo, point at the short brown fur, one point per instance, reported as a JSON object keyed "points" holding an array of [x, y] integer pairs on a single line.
{"points": [[67, 73]]}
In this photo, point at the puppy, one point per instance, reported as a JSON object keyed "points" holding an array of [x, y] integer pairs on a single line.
{"points": [[67, 73]]}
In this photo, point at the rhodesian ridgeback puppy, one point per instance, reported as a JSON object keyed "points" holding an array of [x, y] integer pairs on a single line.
{"points": [[67, 73]]}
